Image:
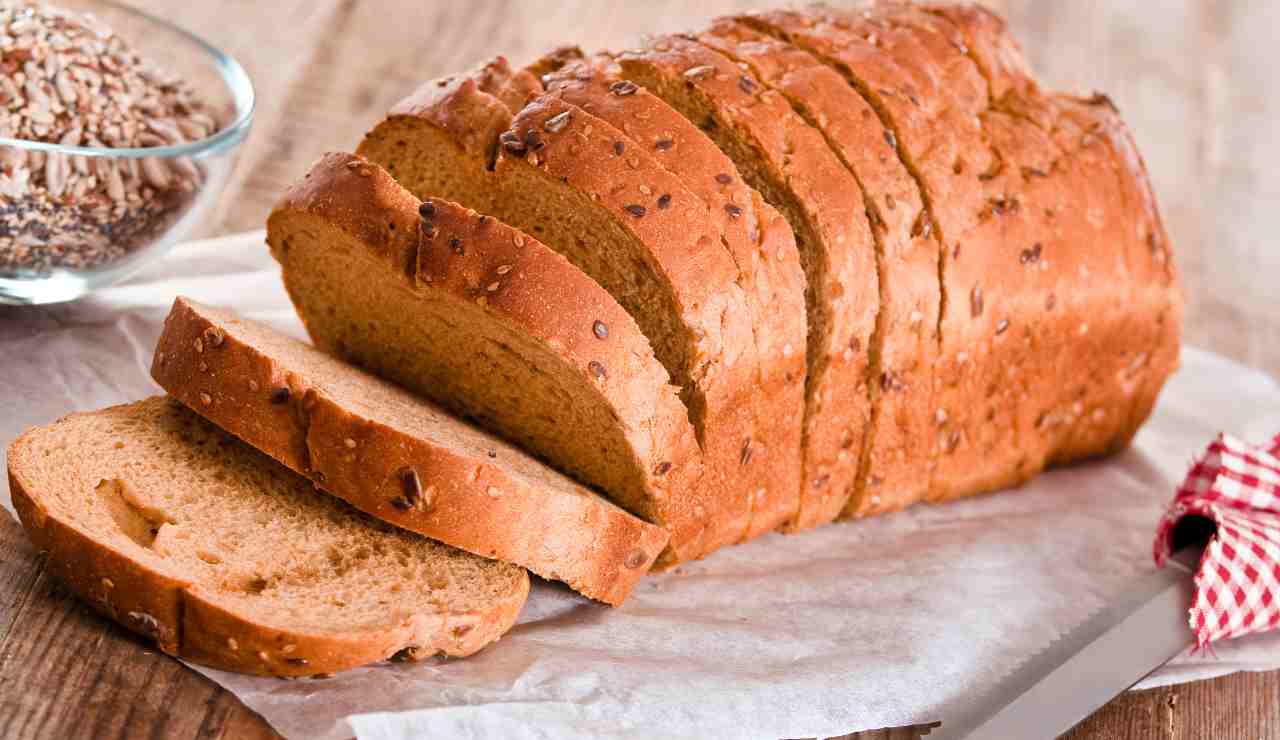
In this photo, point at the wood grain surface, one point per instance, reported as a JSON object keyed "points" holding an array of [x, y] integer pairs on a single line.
{"points": [[1189, 75]]}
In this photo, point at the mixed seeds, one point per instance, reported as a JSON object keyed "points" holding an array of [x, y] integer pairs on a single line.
{"points": [[68, 80]]}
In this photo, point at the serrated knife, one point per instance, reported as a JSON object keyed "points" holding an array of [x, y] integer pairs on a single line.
{"points": [[1088, 666]]}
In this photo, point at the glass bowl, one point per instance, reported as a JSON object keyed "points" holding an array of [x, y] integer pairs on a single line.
{"points": [[76, 218]]}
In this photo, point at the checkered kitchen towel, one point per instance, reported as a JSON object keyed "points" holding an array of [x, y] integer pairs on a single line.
{"points": [[1236, 486]]}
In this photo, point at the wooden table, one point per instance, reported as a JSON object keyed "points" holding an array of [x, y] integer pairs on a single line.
{"points": [[1191, 76]]}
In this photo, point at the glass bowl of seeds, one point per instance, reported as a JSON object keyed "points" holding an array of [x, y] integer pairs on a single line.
{"points": [[118, 131]]}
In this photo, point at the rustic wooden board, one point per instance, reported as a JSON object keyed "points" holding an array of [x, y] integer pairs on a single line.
{"points": [[1189, 76]]}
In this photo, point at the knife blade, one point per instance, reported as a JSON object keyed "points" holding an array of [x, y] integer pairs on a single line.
{"points": [[1089, 665]]}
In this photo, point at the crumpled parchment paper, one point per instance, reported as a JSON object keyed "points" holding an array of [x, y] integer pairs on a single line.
{"points": [[858, 625]]}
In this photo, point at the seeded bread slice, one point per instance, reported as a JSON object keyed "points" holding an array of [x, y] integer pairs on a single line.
{"points": [[567, 178], [488, 322], [896, 449], [769, 271], [999, 381], [793, 168], [189, 537], [398, 457]]}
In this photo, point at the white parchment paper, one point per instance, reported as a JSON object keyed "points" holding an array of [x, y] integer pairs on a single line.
{"points": [[885, 622]]}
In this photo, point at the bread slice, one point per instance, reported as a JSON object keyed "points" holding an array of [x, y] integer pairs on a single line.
{"points": [[487, 321], [894, 464], [793, 168], [569, 179], [189, 537], [396, 456], [769, 271], [1029, 277]]}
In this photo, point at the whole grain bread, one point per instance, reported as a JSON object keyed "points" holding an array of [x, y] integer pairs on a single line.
{"points": [[794, 169], [396, 456], [488, 322], [220, 555]]}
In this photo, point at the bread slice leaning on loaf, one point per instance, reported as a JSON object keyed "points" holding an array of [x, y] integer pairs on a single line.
{"points": [[191, 538], [488, 322], [397, 456]]}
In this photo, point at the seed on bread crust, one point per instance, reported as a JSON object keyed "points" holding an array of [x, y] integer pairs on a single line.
{"points": [[693, 74], [556, 123], [411, 485], [623, 88], [635, 558], [600, 330]]}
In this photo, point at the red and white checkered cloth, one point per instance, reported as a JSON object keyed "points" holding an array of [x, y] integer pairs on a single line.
{"points": [[1236, 486]]}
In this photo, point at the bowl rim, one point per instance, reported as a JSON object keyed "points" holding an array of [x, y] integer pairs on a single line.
{"points": [[233, 76]]}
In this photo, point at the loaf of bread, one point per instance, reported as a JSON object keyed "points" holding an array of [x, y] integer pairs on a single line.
{"points": [[980, 272], [794, 266], [221, 556], [396, 456]]}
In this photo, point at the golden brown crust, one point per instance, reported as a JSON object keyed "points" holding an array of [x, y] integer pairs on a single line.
{"points": [[458, 105], [830, 207], [769, 273], [471, 502], [186, 621]]}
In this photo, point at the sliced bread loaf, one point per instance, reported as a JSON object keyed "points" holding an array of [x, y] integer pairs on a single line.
{"points": [[396, 456], [769, 272], [487, 321], [569, 178], [792, 167], [189, 537]]}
